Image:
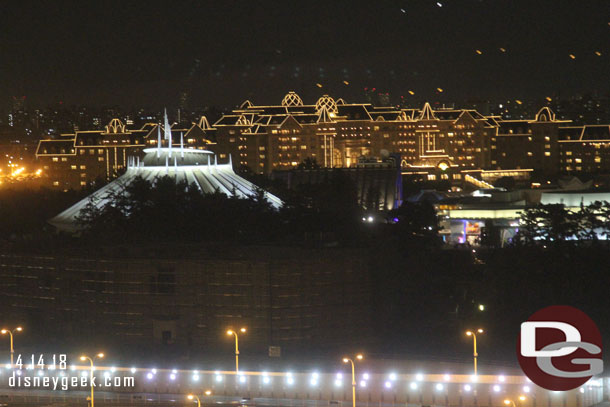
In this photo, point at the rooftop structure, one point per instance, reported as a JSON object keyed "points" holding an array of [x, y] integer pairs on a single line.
{"points": [[198, 167]]}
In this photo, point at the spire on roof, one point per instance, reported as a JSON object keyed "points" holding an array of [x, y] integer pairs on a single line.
{"points": [[427, 113], [158, 140], [168, 132], [181, 145]]}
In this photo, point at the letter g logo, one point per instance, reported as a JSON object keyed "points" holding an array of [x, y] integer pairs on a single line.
{"points": [[554, 346]]}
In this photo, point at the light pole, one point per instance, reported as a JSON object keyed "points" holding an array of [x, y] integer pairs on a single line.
{"points": [[232, 332], [475, 354], [346, 360], [85, 357], [509, 402], [194, 396], [10, 334]]}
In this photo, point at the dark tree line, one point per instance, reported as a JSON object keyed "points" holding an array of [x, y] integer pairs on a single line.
{"points": [[555, 224]]}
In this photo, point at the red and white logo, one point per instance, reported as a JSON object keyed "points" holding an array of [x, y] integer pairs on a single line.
{"points": [[560, 348]]}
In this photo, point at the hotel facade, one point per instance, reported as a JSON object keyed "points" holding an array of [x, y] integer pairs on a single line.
{"points": [[458, 145]]}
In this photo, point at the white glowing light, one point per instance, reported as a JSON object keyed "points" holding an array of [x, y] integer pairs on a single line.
{"points": [[84, 374], [439, 387], [474, 378], [419, 377], [365, 376], [446, 377], [72, 367], [338, 382], [195, 377], [266, 380], [242, 379], [218, 378], [174, 371], [339, 376], [467, 387], [113, 369], [362, 383], [154, 371], [388, 385], [172, 376], [582, 390], [413, 386], [313, 382], [149, 376], [290, 380], [393, 376], [501, 378], [497, 388], [40, 373], [526, 389], [106, 374], [133, 370]]}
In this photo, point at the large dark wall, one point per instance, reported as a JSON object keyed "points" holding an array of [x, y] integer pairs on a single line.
{"points": [[184, 302]]}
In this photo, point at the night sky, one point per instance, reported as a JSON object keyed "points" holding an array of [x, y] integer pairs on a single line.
{"points": [[146, 53]]}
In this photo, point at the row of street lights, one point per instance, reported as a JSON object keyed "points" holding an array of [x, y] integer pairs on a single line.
{"points": [[232, 332]]}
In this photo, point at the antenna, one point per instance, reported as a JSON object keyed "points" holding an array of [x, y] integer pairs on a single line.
{"points": [[158, 140], [181, 145]]}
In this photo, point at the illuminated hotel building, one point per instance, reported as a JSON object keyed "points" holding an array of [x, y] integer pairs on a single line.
{"points": [[339, 134], [75, 160]]}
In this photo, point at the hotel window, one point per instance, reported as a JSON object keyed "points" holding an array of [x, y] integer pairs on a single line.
{"points": [[81, 152], [100, 158], [56, 183], [597, 159], [83, 175], [547, 138], [568, 153], [55, 159], [91, 151], [64, 159], [232, 140], [101, 150], [431, 177], [83, 183], [73, 167], [83, 167], [578, 160], [223, 156], [547, 153], [529, 154]]}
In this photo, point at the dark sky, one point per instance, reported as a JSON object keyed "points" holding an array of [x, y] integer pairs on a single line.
{"points": [[146, 53]]}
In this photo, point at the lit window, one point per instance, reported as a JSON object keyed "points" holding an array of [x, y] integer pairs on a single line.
{"points": [[529, 154], [55, 159], [547, 153]]}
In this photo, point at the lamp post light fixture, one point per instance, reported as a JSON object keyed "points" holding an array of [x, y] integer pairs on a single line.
{"points": [[195, 397], [510, 402], [349, 360], [474, 338], [10, 334], [234, 333], [85, 357]]}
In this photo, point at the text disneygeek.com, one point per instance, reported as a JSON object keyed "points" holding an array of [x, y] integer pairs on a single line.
{"points": [[66, 383]]}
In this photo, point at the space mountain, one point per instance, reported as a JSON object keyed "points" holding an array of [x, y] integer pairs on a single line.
{"points": [[198, 167]]}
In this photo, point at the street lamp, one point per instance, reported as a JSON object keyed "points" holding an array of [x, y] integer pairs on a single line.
{"points": [[194, 396], [509, 402], [474, 337], [348, 360], [232, 332], [85, 357], [10, 334]]}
